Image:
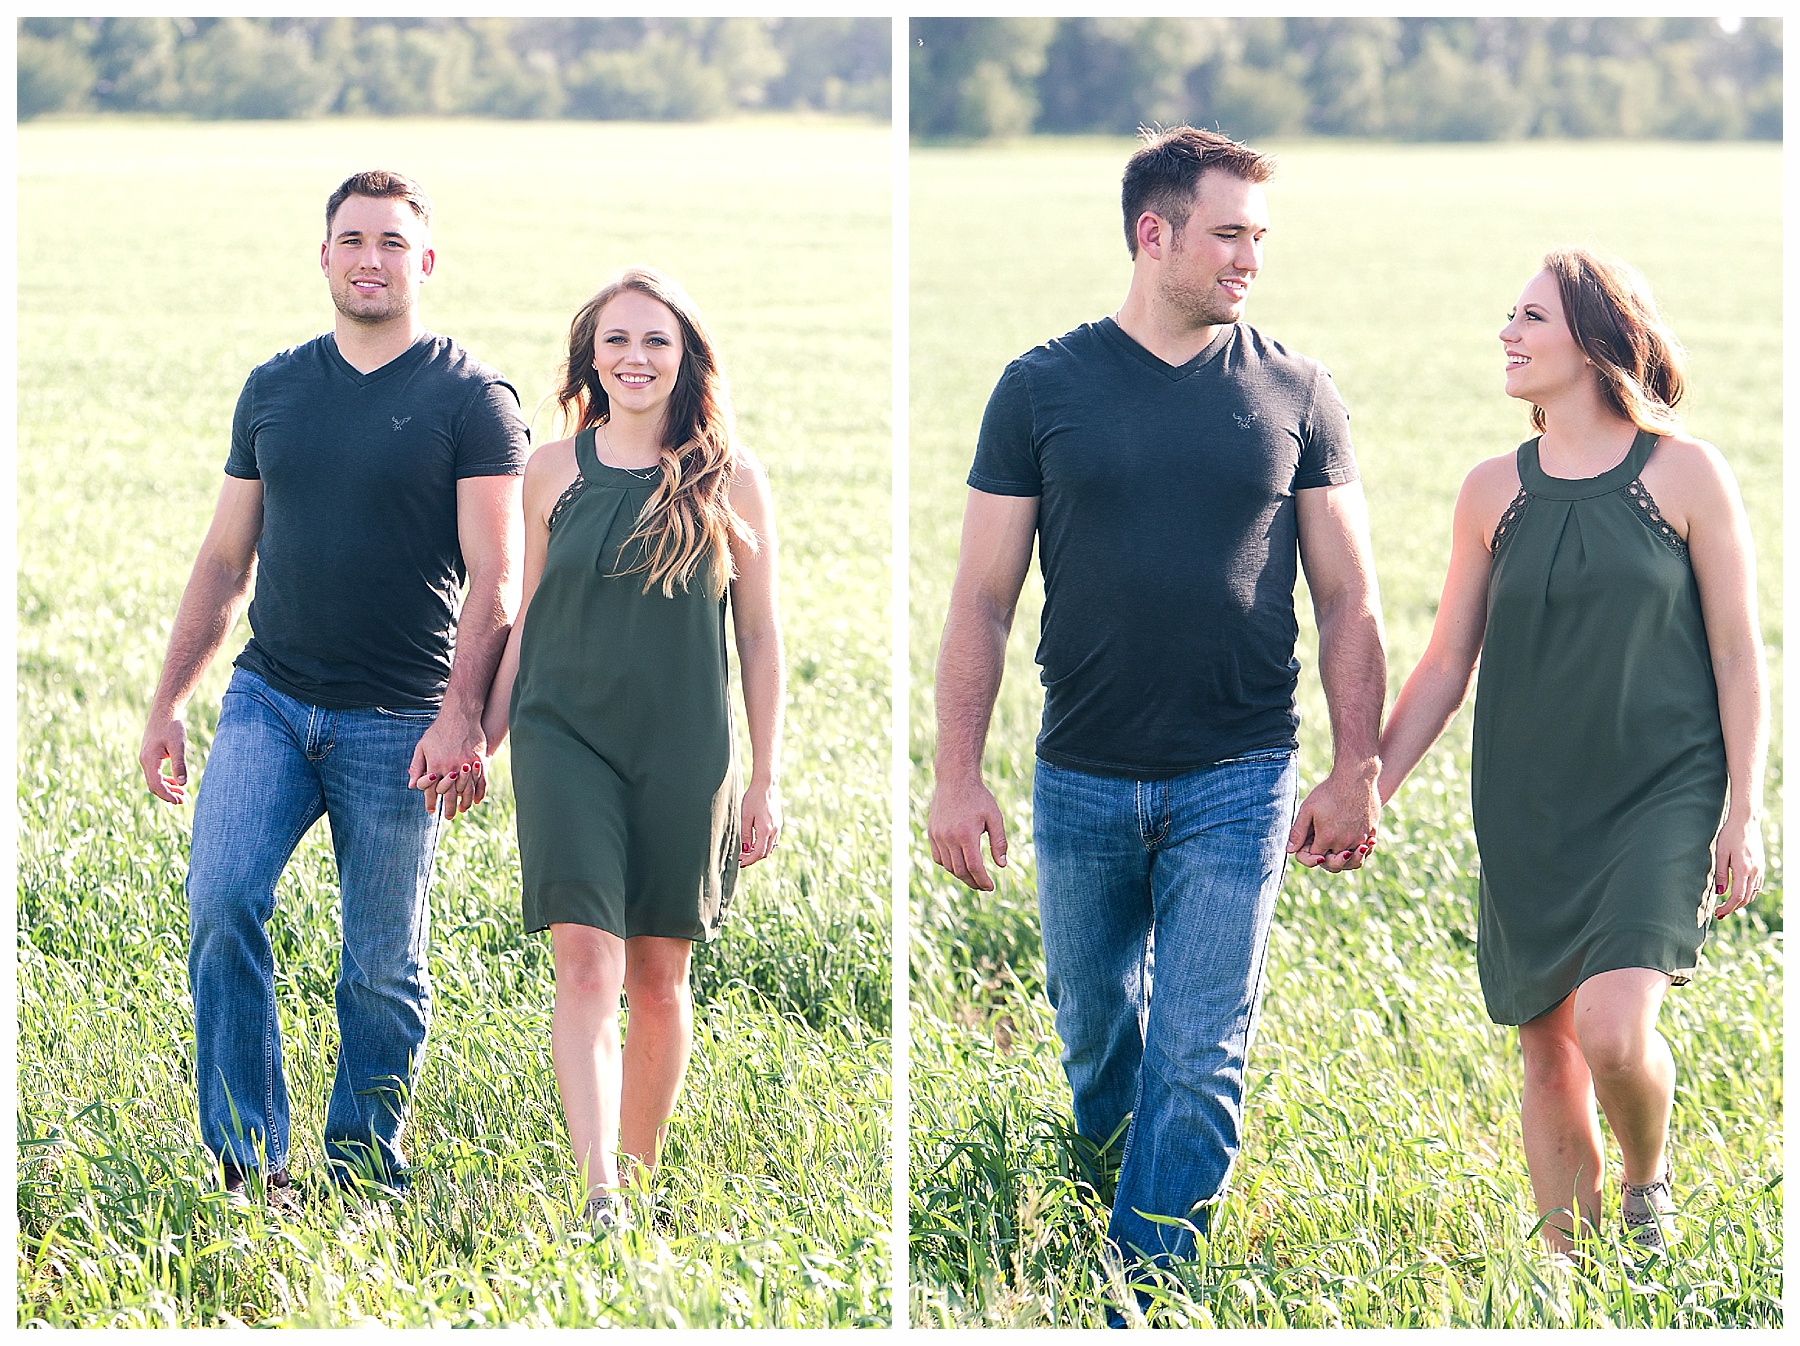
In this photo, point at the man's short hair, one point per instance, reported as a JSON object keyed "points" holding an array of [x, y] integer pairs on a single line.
{"points": [[1165, 172], [379, 183]]}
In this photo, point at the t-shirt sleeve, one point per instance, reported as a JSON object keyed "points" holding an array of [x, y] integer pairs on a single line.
{"points": [[494, 439], [241, 461], [1326, 458], [1006, 461]]}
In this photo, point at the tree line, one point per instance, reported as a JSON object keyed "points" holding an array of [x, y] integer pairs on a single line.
{"points": [[1411, 79], [680, 69]]}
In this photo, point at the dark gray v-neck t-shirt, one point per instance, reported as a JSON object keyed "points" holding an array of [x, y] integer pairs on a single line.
{"points": [[1167, 537], [359, 570]]}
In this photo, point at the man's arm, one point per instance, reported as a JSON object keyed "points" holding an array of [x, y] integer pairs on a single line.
{"points": [[1336, 822], [996, 552], [215, 595], [448, 763]]}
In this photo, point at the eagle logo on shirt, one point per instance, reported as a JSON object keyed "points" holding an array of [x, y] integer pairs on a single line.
{"points": [[1244, 421], [399, 422]]}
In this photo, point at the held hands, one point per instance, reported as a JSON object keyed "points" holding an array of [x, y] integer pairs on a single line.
{"points": [[1335, 827], [960, 813], [450, 765], [760, 828], [165, 740], [1737, 864]]}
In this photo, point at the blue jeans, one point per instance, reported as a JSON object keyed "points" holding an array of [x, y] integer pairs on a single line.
{"points": [[276, 766], [1155, 899]]}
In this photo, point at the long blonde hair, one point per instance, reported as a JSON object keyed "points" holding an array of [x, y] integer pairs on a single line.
{"points": [[689, 516], [1615, 321]]}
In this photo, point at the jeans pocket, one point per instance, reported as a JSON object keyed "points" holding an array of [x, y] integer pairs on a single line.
{"points": [[1262, 755], [407, 714]]}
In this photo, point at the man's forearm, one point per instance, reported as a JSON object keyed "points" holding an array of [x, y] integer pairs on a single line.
{"points": [[971, 660], [481, 635], [1353, 670], [209, 608]]}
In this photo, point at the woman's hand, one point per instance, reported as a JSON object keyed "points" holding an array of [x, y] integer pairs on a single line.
{"points": [[1737, 864], [761, 823]]}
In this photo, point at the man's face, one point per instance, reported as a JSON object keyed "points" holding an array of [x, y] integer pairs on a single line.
{"points": [[1212, 260], [375, 259]]}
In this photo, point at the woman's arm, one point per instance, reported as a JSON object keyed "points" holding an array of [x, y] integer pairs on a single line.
{"points": [[756, 623], [1724, 561], [1439, 683], [548, 473]]}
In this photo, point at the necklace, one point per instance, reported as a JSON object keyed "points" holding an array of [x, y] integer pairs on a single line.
{"points": [[641, 473]]}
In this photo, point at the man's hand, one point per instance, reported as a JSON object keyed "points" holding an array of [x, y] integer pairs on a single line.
{"points": [[960, 814], [1335, 826], [450, 765], [165, 740]]}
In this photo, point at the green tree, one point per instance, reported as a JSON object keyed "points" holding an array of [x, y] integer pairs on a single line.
{"points": [[664, 79], [506, 84], [138, 64], [976, 77], [55, 74], [744, 53], [240, 68], [1119, 74], [1445, 95], [834, 65], [410, 71], [1347, 76]]}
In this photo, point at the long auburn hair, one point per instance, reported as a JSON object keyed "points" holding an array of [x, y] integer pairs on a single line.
{"points": [[1614, 319], [689, 517]]}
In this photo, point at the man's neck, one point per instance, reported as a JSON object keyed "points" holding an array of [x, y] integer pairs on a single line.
{"points": [[366, 347], [1159, 330]]}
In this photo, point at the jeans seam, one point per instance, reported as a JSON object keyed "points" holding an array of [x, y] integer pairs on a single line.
{"points": [[272, 1024]]}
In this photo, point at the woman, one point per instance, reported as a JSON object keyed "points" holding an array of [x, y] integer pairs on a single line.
{"points": [[1604, 575], [614, 684]]}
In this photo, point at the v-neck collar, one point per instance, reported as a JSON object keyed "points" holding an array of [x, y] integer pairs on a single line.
{"points": [[400, 363], [1110, 330]]}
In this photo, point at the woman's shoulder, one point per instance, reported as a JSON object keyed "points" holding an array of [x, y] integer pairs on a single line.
{"points": [[1684, 456], [747, 471], [1688, 477], [744, 460], [549, 472], [1488, 491]]}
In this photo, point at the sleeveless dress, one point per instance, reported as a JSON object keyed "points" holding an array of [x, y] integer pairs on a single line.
{"points": [[1599, 773], [623, 760]]}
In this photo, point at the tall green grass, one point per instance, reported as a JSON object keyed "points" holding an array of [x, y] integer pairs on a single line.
{"points": [[1382, 1181], [158, 262]]}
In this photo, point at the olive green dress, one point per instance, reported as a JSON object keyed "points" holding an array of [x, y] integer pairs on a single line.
{"points": [[1599, 763], [623, 759]]}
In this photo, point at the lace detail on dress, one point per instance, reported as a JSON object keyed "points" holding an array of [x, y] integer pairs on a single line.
{"points": [[566, 499], [1645, 508], [1503, 529]]}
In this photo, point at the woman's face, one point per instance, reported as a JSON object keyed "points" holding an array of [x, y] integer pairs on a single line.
{"points": [[1542, 358], [637, 352]]}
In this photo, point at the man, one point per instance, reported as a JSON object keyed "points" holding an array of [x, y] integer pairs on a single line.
{"points": [[1172, 462], [372, 470]]}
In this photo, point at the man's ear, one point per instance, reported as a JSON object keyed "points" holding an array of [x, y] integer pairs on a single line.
{"points": [[1154, 234]]}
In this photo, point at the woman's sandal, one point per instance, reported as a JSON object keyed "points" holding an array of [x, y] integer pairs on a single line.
{"points": [[1649, 1209]]}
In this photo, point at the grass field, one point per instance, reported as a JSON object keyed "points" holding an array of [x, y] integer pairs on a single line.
{"points": [[1382, 1181], [158, 262]]}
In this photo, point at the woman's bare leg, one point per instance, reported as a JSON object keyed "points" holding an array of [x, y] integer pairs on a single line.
{"points": [[1632, 1069], [584, 1045], [659, 1032], [1561, 1131]]}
